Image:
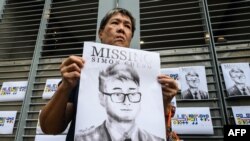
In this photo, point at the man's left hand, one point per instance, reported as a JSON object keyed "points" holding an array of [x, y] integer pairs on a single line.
{"points": [[169, 87]]}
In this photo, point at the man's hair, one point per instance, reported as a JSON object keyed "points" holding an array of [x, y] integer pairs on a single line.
{"points": [[113, 12], [191, 73], [235, 70], [118, 72]]}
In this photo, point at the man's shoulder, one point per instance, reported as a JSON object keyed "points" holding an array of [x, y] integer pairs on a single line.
{"points": [[204, 94], [90, 134], [248, 87], [186, 94], [233, 88], [145, 136], [187, 91], [233, 91]]}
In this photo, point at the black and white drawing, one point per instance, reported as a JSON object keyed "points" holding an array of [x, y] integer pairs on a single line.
{"points": [[194, 83], [119, 97], [237, 78]]}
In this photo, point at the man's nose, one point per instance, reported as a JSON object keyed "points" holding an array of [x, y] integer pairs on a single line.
{"points": [[126, 100], [120, 28]]}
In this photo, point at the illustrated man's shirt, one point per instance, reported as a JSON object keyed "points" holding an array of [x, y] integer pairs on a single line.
{"points": [[244, 90], [101, 133], [118, 134], [238, 90], [195, 93]]}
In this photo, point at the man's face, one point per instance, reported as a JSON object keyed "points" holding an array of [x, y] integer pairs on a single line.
{"points": [[238, 77], [193, 81], [118, 31], [124, 111]]}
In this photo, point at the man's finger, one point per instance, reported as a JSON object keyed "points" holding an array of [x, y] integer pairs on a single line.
{"points": [[71, 68], [74, 59]]}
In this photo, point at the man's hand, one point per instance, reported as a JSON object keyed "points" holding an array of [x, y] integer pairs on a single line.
{"points": [[169, 87], [71, 71]]}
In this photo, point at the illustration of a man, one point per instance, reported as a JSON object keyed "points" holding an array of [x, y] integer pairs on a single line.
{"points": [[121, 98], [239, 78], [193, 92]]}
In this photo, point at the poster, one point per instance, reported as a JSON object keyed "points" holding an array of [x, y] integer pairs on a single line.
{"points": [[241, 115], [194, 83], [119, 84], [192, 120], [50, 88], [237, 79], [50, 137], [13, 91], [7, 121]]}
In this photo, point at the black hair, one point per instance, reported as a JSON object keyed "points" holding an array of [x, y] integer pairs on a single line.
{"points": [[113, 12]]}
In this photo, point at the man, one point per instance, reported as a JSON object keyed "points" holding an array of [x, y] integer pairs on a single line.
{"points": [[239, 78], [116, 28], [193, 92], [121, 98]]}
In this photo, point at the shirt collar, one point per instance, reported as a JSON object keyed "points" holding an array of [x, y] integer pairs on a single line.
{"points": [[117, 133]]}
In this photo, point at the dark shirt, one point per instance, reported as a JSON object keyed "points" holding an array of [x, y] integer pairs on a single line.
{"points": [[73, 99]]}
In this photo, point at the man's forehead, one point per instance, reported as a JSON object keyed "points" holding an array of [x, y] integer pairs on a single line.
{"points": [[116, 17]]}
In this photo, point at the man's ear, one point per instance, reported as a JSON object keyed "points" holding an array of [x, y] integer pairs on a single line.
{"points": [[102, 99]]}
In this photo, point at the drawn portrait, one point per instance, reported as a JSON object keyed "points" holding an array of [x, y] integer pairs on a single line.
{"points": [[194, 83], [119, 101], [237, 79]]}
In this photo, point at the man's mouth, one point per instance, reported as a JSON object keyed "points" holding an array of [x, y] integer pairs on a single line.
{"points": [[120, 38], [126, 110]]}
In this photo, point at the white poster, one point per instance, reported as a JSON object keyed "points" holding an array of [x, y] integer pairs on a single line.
{"points": [[241, 115], [237, 78], [7, 121], [50, 88], [13, 91], [119, 96], [192, 120], [50, 137], [194, 83]]}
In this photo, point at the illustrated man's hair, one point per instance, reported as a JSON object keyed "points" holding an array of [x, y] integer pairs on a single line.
{"points": [[113, 12], [235, 70], [119, 72], [191, 73]]}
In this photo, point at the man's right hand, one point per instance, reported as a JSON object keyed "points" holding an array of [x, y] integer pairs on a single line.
{"points": [[71, 71], [59, 105]]}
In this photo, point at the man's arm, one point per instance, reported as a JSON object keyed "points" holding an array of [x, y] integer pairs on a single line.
{"points": [[58, 112], [169, 89]]}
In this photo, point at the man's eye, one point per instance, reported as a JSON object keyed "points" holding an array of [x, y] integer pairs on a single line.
{"points": [[133, 94], [128, 26], [114, 23], [118, 94]]}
